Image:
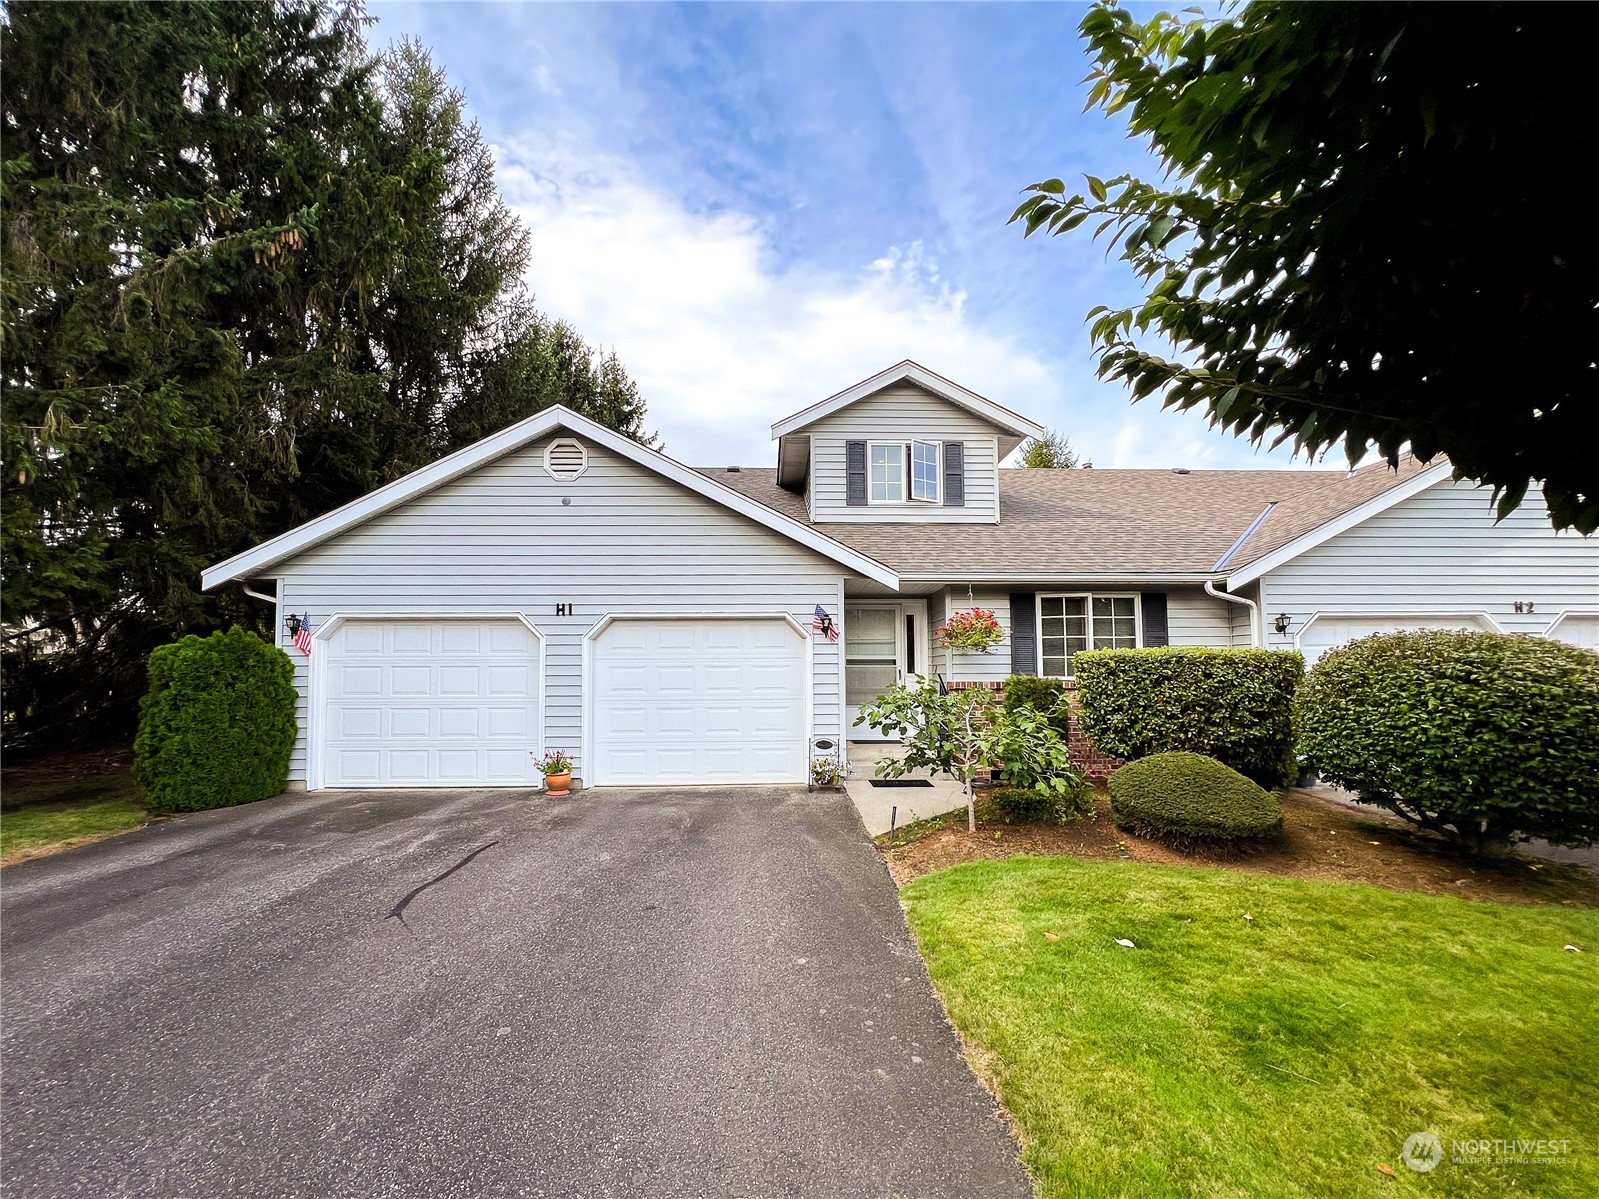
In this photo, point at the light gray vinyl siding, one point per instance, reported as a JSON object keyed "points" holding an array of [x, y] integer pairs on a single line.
{"points": [[1440, 552], [937, 655], [903, 412], [1195, 618], [631, 542]]}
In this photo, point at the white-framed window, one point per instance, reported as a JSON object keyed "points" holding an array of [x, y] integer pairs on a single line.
{"points": [[924, 471], [897, 471], [1069, 624]]}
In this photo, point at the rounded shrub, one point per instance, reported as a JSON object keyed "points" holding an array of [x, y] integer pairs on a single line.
{"points": [[1474, 735], [1187, 798], [218, 723]]}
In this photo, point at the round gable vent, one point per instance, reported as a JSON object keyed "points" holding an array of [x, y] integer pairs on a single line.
{"points": [[565, 459]]}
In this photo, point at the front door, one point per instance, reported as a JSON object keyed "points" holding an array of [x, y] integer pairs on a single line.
{"points": [[874, 660]]}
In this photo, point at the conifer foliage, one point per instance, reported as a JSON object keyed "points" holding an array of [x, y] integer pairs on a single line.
{"points": [[251, 270]]}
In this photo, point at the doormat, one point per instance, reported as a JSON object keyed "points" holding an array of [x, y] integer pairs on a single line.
{"points": [[900, 782]]}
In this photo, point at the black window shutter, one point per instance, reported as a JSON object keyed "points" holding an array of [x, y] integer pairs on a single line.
{"points": [[1157, 631], [855, 474], [954, 474], [1023, 632]]}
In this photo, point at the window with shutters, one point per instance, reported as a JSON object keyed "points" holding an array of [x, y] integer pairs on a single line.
{"points": [[565, 458], [1069, 624], [903, 470]]}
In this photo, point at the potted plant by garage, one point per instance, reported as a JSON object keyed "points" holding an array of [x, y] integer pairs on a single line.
{"points": [[556, 768]]}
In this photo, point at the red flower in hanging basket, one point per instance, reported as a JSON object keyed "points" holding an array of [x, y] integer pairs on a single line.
{"points": [[977, 629]]}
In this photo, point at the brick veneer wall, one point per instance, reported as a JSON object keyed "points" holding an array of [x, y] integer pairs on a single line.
{"points": [[1079, 751]]}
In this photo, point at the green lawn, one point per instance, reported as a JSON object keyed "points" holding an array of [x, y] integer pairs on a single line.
{"points": [[51, 814], [1287, 1055]]}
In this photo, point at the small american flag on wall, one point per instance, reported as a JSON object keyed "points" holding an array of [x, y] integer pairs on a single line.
{"points": [[822, 623], [302, 636]]}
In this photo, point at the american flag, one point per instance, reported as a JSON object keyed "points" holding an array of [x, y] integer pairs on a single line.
{"points": [[302, 636], [820, 623]]}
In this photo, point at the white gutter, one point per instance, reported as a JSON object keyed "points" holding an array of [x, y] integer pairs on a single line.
{"points": [[1254, 610], [260, 595]]}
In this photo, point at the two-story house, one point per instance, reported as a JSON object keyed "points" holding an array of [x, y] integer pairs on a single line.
{"points": [[559, 586]]}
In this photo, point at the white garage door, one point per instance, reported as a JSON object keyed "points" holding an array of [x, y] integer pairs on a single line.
{"points": [[1329, 632], [707, 701], [430, 703], [1577, 628]]}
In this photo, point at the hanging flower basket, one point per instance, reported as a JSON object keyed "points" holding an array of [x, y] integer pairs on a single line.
{"points": [[977, 630]]}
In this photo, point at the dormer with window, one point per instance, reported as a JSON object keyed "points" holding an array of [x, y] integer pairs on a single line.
{"points": [[903, 446]]}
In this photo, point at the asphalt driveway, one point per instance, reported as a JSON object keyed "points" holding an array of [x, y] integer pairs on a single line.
{"points": [[483, 993]]}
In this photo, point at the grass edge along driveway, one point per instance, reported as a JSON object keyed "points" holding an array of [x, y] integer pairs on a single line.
{"points": [[42, 818], [1268, 1036]]}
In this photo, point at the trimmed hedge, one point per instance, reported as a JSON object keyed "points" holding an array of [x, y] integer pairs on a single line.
{"points": [[1025, 803], [1188, 798], [1234, 705], [218, 724], [1474, 735]]}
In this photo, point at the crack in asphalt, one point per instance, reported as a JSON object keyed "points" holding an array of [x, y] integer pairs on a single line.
{"points": [[398, 911]]}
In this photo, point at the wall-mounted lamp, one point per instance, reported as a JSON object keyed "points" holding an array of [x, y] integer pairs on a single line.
{"points": [[292, 623], [1282, 622]]}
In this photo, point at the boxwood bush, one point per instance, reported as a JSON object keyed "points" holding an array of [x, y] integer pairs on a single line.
{"points": [[1188, 798], [1474, 735], [217, 725], [1026, 803], [1234, 705]]}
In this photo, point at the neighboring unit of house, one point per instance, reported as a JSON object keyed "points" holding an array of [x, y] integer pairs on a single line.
{"points": [[559, 586]]}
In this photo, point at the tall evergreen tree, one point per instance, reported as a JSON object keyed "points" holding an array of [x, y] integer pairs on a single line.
{"points": [[249, 272]]}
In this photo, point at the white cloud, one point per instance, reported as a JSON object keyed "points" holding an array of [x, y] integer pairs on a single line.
{"points": [[722, 341]]}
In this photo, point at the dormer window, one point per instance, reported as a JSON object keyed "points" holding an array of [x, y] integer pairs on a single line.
{"points": [[892, 465]]}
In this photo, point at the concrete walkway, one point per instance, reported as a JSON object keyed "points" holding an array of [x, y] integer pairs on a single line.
{"points": [[877, 805]]}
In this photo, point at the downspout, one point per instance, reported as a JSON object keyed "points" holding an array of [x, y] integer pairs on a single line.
{"points": [[1254, 610], [277, 610]]}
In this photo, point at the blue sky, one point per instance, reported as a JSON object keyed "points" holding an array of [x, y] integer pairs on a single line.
{"points": [[759, 205]]}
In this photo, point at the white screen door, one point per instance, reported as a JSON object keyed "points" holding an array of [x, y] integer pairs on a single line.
{"points": [[873, 658]]}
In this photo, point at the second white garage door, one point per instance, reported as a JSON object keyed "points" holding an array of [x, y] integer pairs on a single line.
{"points": [[699, 701], [1330, 631]]}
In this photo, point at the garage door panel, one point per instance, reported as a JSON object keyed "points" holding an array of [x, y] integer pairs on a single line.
{"points": [[360, 640], [712, 701], [458, 722], [462, 639], [406, 639], [448, 703], [358, 680], [1329, 632], [674, 680], [410, 722]]}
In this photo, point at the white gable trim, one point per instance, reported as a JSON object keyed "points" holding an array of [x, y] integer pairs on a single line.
{"points": [[909, 371], [1305, 542], [464, 461]]}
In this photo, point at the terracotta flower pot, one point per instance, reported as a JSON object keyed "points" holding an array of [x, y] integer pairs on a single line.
{"points": [[558, 786]]}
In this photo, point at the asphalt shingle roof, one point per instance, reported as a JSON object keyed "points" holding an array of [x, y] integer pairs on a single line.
{"points": [[1105, 522]]}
